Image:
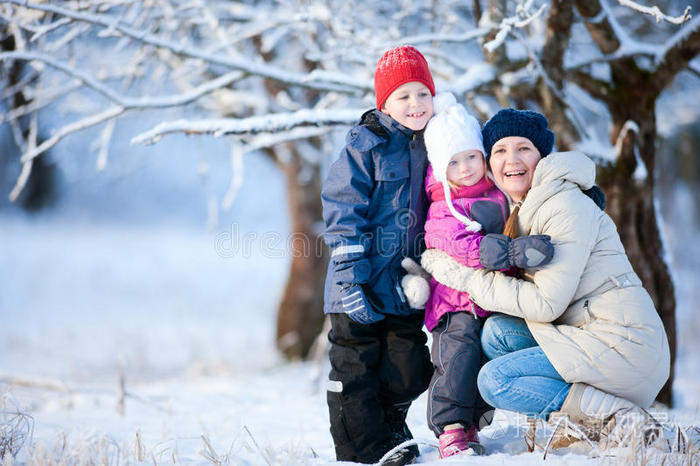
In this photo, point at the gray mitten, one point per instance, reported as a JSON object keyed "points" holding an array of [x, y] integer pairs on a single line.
{"points": [[445, 269], [500, 252], [415, 284], [357, 305]]}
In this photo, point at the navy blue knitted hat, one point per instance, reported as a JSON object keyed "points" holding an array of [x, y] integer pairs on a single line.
{"points": [[512, 122]]}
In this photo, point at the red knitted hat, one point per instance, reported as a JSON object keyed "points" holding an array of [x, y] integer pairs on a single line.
{"points": [[399, 66]]}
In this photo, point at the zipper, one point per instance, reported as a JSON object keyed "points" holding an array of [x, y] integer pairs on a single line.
{"points": [[402, 296], [587, 312]]}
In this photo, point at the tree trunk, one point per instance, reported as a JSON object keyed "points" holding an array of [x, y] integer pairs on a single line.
{"points": [[300, 313], [631, 205]]}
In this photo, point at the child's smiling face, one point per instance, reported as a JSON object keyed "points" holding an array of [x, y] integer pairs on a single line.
{"points": [[410, 104]]}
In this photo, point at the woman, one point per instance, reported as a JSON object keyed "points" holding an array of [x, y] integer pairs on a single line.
{"points": [[581, 335]]}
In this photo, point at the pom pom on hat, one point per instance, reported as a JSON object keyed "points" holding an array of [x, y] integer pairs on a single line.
{"points": [[524, 123], [442, 101], [397, 67]]}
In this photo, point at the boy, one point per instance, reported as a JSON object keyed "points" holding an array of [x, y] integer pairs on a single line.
{"points": [[374, 208]]}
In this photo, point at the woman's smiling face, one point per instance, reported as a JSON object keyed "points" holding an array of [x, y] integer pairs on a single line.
{"points": [[513, 161]]}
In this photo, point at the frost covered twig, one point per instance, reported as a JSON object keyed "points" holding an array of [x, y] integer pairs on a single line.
{"points": [[237, 168], [262, 453], [104, 141], [656, 12], [71, 128], [252, 125], [472, 34], [16, 428], [508, 24]]}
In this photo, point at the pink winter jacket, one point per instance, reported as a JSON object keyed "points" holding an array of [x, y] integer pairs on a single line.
{"points": [[445, 232]]}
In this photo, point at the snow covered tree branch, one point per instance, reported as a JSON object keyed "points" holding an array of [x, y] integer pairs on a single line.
{"points": [[677, 53], [252, 125], [128, 103], [656, 12], [113, 26], [522, 19]]}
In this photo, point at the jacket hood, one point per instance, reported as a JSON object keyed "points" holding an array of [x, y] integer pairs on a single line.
{"points": [[559, 171], [383, 125], [574, 167]]}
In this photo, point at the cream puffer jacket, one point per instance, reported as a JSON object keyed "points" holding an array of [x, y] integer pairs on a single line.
{"points": [[587, 308]]}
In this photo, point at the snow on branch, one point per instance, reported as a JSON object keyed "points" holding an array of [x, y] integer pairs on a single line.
{"points": [[240, 64], [71, 128], [629, 48], [442, 38], [656, 12], [640, 172], [253, 125], [123, 101], [627, 127], [508, 24], [677, 40]]}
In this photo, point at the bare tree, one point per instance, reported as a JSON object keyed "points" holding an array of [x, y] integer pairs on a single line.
{"points": [[277, 76]]}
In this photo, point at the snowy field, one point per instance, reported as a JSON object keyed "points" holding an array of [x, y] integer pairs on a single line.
{"points": [[128, 342]]}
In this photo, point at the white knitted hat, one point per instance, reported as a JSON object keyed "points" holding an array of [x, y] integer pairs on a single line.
{"points": [[450, 131]]}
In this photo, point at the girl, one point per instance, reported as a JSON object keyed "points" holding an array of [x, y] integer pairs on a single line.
{"points": [[466, 214]]}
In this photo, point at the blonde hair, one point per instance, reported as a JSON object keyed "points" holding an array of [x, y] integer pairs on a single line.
{"points": [[453, 186]]}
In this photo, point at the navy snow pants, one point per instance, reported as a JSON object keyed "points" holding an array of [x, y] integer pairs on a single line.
{"points": [[453, 396], [377, 370]]}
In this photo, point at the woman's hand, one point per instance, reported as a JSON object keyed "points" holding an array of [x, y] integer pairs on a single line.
{"points": [[499, 252], [445, 269]]}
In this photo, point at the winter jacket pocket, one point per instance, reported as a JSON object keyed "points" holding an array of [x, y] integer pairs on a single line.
{"points": [[392, 184], [578, 314]]}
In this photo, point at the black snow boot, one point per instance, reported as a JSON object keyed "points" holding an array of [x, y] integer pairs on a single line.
{"points": [[395, 416]]}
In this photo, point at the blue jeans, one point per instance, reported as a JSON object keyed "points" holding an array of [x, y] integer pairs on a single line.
{"points": [[518, 377]]}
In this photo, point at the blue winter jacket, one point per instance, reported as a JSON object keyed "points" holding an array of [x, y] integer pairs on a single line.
{"points": [[374, 208]]}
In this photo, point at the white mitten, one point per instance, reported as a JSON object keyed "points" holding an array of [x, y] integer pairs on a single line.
{"points": [[445, 269], [415, 285]]}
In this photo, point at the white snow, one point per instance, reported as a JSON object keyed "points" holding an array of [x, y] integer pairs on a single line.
{"points": [[186, 316]]}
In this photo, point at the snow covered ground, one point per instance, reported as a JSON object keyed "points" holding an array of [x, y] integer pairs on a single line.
{"points": [[152, 341]]}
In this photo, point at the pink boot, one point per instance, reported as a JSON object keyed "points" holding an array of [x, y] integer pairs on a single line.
{"points": [[453, 442], [457, 441], [473, 439]]}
